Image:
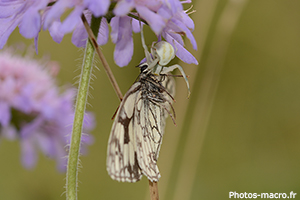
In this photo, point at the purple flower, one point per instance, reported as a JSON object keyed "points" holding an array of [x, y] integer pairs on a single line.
{"points": [[24, 14], [166, 19], [33, 110], [180, 24]]}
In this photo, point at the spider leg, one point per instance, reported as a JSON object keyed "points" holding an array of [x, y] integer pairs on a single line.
{"points": [[152, 48], [147, 53], [157, 69], [165, 70]]}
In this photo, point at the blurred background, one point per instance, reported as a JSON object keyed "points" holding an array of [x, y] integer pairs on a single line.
{"points": [[239, 131]]}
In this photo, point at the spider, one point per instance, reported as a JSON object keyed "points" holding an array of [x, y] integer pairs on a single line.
{"points": [[161, 54]]}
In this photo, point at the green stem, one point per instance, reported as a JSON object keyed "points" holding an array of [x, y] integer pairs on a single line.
{"points": [[72, 169]]}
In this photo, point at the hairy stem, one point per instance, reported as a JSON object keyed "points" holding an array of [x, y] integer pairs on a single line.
{"points": [[86, 71]]}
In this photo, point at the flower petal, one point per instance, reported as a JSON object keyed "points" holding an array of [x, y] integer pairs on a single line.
{"points": [[97, 7], [79, 36], [103, 34], [174, 5], [11, 8], [5, 115], [29, 129], [123, 7], [181, 52], [29, 155], [176, 24], [114, 24], [176, 37], [72, 20], [61, 159], [165, 12], [56, 11], [87, 139], [9, 132], [124, 44], [45, 143], [31, 21], [7, 25], [55, 33], [187, 20], [136, 25], [156, 22]]}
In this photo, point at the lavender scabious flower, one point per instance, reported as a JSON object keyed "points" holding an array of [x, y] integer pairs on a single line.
{"points": [[166, 19], [35, 112]]}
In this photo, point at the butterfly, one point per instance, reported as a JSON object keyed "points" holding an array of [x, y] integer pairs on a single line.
{"points": [[138, 128]]}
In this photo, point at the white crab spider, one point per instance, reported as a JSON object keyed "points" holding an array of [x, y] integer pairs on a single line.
{"points": [[161, 54]]}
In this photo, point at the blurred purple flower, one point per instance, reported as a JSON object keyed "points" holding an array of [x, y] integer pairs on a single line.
{"points": [[166, 19], [33, 110]]}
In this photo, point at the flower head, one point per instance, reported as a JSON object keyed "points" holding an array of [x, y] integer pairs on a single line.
{"points": [[33, 110], [165, 17]]}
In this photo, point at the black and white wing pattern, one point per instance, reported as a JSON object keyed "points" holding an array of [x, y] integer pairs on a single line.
{"points": [[137, 131]]}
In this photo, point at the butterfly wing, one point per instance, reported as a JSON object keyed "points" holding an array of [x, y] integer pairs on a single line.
{"points": [[122, 163], [149, 126]]}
